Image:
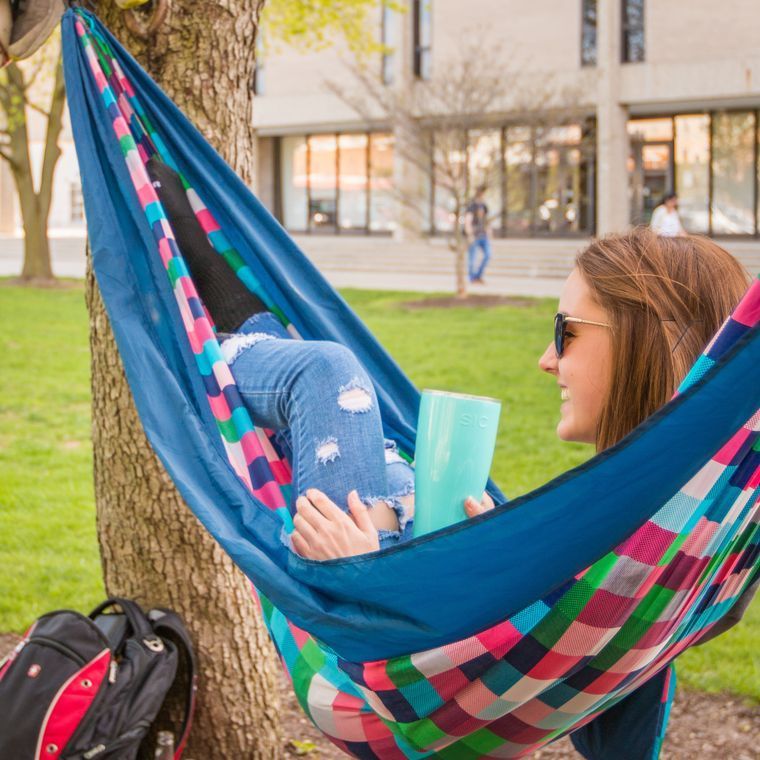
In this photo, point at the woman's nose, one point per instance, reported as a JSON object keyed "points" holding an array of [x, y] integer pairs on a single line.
{"points": [[548, 360]]}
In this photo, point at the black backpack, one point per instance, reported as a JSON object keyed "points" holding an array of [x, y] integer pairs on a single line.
{"points": [[88, 688]]}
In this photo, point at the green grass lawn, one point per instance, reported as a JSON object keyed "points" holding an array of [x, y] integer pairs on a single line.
{"points": [[48, 549]]}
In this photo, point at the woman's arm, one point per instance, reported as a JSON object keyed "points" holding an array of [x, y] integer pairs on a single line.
{"points": [[324, 531]]}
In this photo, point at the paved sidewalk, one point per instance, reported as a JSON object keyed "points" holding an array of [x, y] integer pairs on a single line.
{"points": [[522, 267], [350, 262]]}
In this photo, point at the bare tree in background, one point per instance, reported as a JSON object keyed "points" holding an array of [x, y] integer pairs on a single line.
{"points": [[436, 124], [28, 90]]}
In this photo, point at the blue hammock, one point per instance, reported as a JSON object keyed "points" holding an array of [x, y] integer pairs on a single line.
{"points": [[551, 538]]}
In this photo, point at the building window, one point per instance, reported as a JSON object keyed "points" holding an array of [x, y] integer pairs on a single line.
{"points": [[386, 40], [732, 208], [539, 180], [692, 160], [588, 33], [484, 169], [559, 180], [709, 160], [650, 165], [294, 173], [382, 208], [337, 183], [633, 31], [352, 181], [422, 38], [323, 183], [518, 154], [76, 206]]}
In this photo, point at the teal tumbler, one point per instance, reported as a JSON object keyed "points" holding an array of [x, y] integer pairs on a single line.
{"points": [[456, 435]]}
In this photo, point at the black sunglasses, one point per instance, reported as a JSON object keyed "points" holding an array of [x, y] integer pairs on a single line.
{"points": [[560, 329]]}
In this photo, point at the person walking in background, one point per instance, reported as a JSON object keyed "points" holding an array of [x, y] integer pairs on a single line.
{"points": [[476, 228], [665, 218]]}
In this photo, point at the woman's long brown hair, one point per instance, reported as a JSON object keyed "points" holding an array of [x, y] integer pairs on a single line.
{"points": [[665, 299]]}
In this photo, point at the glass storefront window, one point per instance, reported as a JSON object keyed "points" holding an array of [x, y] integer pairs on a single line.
{"points": [[692, 159], [569, 134], [518, 157], [651, 130], [294, 183], [650, 165], [558, 188], [382, 211], [450, 162], [352, 181], [322, 182], [733, 165], [484, 170]]}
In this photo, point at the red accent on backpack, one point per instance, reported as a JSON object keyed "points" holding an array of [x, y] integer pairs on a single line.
{"points": [[70, 705]]}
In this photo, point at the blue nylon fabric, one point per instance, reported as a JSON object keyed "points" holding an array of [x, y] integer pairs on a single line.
{"points": [[456, 582]]}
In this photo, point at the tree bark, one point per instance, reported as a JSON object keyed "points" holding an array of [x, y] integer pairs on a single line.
{"points": [[152, 547]]}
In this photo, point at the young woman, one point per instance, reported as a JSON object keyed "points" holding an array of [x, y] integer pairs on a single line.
{"points": [[633, 316]]}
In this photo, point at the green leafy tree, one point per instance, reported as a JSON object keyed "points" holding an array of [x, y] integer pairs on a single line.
{"points": [[318, 23]]}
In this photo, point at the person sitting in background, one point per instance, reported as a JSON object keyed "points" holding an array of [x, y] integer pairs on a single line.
{"points": [[665, 218]]}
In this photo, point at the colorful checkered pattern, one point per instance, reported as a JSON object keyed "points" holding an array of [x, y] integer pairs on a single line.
{"points": [[508, 690]]}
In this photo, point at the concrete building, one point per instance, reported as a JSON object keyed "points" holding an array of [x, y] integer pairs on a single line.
{"points": [[667, 96]]}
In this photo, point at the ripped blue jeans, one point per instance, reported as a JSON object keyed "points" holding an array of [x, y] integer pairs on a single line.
{"points": [[321, 401]]}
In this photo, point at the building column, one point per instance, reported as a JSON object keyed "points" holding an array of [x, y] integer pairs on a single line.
{"points": [[409, 180], [612, 147]]}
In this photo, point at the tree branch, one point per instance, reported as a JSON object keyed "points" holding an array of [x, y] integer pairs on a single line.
{"points": [[52, 151], [9, 158]]}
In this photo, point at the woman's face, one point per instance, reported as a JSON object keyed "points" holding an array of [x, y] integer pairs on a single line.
{"points": [[583, 372]]}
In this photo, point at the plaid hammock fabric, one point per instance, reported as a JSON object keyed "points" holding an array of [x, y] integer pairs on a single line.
{"points": [[550, 667]]}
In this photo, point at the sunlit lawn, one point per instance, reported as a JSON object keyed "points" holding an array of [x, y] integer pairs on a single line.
{"points": [[48, 551]]}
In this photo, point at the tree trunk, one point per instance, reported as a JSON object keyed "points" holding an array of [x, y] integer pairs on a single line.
{"points": [[460, 263], [34, 209], [458, 244], [36, 266], [152, 547]]}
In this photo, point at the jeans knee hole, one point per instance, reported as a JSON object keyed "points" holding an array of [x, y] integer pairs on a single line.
{"points": [[354, 398], [327, 451]]}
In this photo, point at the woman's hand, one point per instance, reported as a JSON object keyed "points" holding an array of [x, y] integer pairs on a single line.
{"points": [[473, 508], [324, 531]]}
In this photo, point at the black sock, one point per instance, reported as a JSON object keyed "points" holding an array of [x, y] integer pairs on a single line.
{"points": [[226, 297]]}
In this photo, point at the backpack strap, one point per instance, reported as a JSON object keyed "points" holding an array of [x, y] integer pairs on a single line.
{"points": [[169, 622], [136, 617]]}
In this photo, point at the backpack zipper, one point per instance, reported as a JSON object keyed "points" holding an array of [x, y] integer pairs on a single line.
{"points": [[62, 648]]}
